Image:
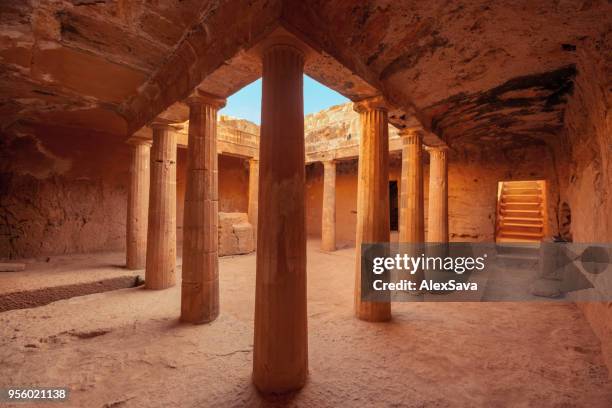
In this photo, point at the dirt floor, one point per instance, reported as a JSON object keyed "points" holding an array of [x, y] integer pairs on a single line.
{"points": [[126, 348]]}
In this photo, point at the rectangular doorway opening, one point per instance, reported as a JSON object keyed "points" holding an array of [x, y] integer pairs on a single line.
{"points": [[393, 206], [521, 211]]}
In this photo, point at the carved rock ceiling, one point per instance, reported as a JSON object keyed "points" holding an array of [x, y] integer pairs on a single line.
{"points": [[476, 72]]}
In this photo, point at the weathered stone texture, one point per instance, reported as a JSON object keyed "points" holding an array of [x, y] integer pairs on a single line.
{"points": [[335, 133], [61, 191], [59, 215], [235, 234], [588, 166], [424, 53]]}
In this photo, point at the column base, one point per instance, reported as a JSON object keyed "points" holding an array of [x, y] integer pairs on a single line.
{"points": [[202, 305], [374, 312]]}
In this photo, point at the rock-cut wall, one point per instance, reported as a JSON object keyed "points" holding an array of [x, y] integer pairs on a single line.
{"points": [[62, 190], [587, 186]]}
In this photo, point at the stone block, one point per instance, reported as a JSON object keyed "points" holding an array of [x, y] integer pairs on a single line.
{"points": [[235, 234]]}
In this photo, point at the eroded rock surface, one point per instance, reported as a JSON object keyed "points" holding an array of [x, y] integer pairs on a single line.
{"points": [[235, 234]]}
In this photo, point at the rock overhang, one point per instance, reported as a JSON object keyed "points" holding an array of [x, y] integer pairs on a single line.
{"points": [[430, 61]]}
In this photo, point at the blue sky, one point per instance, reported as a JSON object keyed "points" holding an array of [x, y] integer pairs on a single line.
{"points": [[246, 103]]}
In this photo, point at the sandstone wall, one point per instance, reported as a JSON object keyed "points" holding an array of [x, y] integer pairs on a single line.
{"points": [[346, 199], [588, 176], [233, 184], [233, 187], [62, 190]]}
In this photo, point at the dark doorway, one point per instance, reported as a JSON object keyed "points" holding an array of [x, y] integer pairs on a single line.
{"points": [[393, 206]]}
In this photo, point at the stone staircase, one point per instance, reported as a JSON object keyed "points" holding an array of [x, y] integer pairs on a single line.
{"points": [[520, 214]]}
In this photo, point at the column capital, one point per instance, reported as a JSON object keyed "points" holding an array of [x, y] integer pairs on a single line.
{"points": [[437, 149], [410, 131], [377, 102], [161, 123], [199, 96], [134, 141], [411, 135], [279, 44]]}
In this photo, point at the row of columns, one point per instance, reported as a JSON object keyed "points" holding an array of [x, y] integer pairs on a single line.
{"points": [[373, 195], [276, 205], [158, 163], [411, 214], [280, 352]]}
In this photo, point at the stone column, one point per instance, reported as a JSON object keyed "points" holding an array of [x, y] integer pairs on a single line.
{"points": [[412, 218], [160, 270], [253, 195], [372, 196], [200, 283], [328, 218], [412, 205], [138, 205], [280, 353], [437, 230]]}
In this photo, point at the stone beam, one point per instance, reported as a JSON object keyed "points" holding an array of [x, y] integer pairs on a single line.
{"points": [[204, 54], [296, 18], [226, 144], [242, 66], [352, 151]]}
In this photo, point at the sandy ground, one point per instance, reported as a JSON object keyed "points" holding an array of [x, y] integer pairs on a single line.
{"points": [[126, 348]]}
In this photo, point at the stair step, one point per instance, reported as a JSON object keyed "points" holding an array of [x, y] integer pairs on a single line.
{"points": [[530, 248], [521, 213], [521, 206], [521, 198], [510, 229], [523, 220], [521, 190], [508, 234], [514, 240], [526, 184], [520, 224]]}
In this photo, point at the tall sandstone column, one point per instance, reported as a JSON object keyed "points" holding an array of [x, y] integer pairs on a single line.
{"points": [[200, 283], [160, 270], [372, 196], [412, 206], [437, 230], [280, 354], [328, 218], [253, 195], [138, 205]]}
